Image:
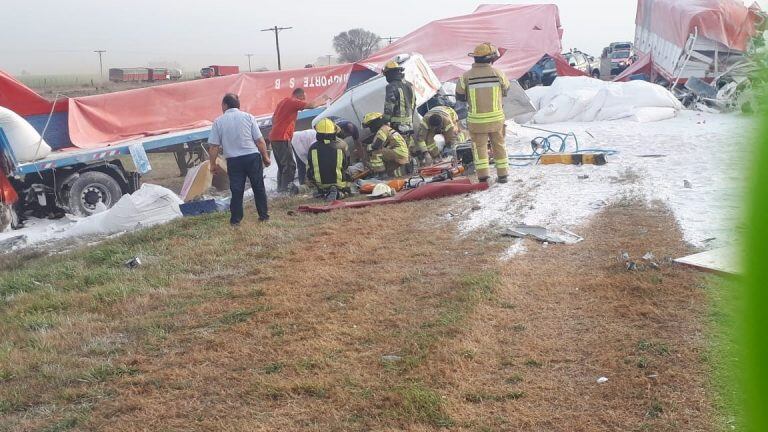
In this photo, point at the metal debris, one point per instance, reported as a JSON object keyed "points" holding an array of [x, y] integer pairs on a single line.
{"points": [[133, 263], [542, 234]]}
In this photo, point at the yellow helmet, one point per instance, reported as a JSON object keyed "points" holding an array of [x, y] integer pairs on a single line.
{"points": [[326, 126], [371, 117], [485, 49], [392, 66]]}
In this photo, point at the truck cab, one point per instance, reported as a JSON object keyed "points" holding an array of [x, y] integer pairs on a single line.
{"points": [[207, 72]]}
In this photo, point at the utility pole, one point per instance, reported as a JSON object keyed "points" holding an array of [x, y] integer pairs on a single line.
{"points": [[389, 38], [101, 67], [277, 31], [329, 59], [249, 61]]}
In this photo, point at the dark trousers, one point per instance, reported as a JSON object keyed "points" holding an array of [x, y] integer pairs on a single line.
{"points": [[286, 166], [301, 168], [239, 169]]}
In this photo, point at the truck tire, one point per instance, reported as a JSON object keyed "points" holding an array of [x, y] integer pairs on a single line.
{"points": [[88, 189], [596, 74]]}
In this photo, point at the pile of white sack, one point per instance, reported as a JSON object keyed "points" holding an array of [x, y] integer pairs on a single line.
{"points": [[150, 205], [584, 99]]}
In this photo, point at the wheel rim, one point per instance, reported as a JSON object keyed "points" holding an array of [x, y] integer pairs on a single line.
{"points": [[92, 194]]}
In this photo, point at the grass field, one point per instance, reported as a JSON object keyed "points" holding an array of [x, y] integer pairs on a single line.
{"points": [[64, 80], [376, 319]]}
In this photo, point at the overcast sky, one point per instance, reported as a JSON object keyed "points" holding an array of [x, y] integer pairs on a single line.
{"points": [[59, 36]]}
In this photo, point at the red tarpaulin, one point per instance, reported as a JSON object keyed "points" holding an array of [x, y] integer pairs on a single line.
{"points": [[97, 120], [427, 191], [726, 21], [24, 101], [527, 32], [643, 65]]}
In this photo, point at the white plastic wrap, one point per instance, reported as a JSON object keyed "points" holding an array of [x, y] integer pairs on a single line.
{"points": [[150, 205], [26, 143], [584, 99]]}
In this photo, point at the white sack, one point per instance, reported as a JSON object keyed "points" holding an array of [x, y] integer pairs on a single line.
{"points": [[585, 99], [647, 115], [26, 143], [150, 205]]}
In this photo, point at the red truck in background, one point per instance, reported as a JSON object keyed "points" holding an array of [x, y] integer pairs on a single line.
{"points": [[216, 70], [143, 74]]}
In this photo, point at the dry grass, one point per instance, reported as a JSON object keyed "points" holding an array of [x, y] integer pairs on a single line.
{"points": [[285, 327], [569, 315]]}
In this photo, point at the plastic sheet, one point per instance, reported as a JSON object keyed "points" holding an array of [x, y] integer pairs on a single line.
{"points": [[588, 99], [26, 143], [150, 205], [526, 32]]}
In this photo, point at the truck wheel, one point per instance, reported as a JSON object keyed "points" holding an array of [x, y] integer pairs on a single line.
{"points": [[596, 74], [90, 188]]}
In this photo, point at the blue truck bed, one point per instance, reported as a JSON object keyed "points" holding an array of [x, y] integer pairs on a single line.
{"points": [[72, 156]]}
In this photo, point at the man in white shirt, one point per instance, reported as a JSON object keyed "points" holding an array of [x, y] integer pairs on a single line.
{"points": [[301, 142], [236, 135]]}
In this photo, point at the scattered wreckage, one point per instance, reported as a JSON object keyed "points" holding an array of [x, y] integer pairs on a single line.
{"points": [[708, 52]]}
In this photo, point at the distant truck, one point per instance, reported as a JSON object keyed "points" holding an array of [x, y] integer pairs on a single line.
{"points": [[142, 74], [128, 74], [216, 71]]}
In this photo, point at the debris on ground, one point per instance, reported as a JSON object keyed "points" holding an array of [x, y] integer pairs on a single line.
{"points": [[542, 234], [13, 243], [602, 380], [721, 260], [133, 263], [150, 205]]}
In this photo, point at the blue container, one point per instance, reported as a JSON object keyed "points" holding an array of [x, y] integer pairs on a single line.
{"points": [[638, 77]]}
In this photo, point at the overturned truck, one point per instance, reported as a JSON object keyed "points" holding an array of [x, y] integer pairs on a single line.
{"points": [[702, 49]]}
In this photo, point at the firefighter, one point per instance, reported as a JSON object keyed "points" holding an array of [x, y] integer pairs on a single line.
{"points": [[439, 120], [327, 162], [483, 88], [399, 103], [389, 150]]}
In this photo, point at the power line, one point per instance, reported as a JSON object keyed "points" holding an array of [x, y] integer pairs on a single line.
{"points": [[277, 31], [101, 65]]}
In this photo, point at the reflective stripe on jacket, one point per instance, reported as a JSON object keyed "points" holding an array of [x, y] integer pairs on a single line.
{"points": [[485, 88], [327, 163], [399, 102], [386, 137]]}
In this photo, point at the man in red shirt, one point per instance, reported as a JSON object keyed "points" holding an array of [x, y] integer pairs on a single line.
{"points": [[283, 125]]}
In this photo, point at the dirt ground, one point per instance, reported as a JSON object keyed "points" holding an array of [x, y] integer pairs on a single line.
{"points": [[377, 319]]}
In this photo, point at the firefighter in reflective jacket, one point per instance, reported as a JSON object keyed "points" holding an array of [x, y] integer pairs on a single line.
{"points": [[327, 161], [483, 88], [389, 151], [399, 103], [439, 120]]}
